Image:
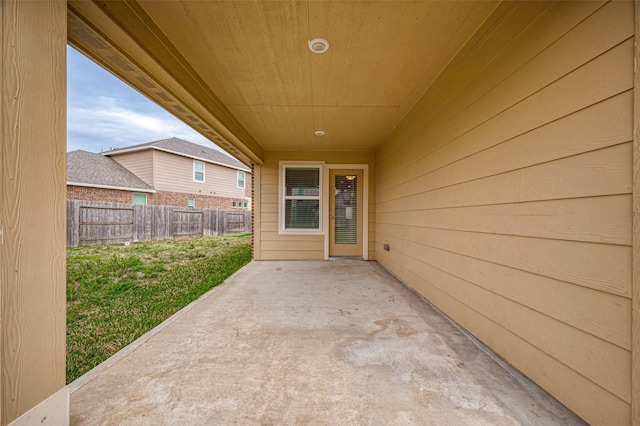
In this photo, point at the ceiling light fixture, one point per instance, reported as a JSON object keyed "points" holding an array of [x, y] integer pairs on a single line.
{"points": [[318, 45], [319, 133]]}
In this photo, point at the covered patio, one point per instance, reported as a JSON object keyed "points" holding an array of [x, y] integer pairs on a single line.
{"points": [[309, 342], [486, 153]]}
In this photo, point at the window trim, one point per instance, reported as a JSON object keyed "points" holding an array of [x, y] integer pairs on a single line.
{"points": [[282, 198], [244, 177], [133, 197], [203, 171]]}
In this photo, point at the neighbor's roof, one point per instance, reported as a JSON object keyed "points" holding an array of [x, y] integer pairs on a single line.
{"points": [[95, 170], [187, 149]]}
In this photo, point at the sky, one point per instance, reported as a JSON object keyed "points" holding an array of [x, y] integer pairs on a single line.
{"points": [[103, 112]]}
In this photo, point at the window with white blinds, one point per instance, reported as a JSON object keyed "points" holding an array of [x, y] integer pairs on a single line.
{"points": [[301, 193]]}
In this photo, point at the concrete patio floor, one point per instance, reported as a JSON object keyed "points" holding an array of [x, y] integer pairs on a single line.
{"points": [[337, 342]]}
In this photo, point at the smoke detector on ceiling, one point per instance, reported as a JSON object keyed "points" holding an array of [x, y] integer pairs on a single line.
{"points": [[318, 45]]}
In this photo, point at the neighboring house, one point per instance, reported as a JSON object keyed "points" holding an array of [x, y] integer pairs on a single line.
{"points": [[171, 172], [94, 177]]}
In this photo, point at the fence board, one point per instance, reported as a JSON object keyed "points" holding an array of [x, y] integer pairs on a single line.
{"points": [[101, 224], [188, 223], [90, 222]]}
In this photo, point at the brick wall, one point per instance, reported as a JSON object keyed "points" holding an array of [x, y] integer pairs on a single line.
{"points": [[160, 198], [98, 194], [165, 198]]}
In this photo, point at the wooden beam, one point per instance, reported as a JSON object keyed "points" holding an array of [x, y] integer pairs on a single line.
{"points": [[635, 307]]}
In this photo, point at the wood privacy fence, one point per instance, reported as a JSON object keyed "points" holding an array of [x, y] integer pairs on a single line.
{"points": [[90, 222]]}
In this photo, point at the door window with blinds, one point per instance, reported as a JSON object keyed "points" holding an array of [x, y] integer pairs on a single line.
{"points": [[346, 209], [301, 198]]}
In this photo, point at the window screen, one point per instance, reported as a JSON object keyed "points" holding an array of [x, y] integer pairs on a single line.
{"points": [[302, 198]]}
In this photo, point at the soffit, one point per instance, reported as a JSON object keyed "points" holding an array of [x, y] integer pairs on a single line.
{"points": [[252, 60]]}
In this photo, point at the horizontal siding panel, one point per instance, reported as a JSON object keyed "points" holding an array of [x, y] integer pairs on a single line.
{"points": [[499, 189], [292, 255], [495, 88], [598, 266], [600, 79], [593, 219], [600, 126], [602, 314], [607, 171], [271, 227], [596, 405], [270, 199], [274, 236], [292, 244], [505, 49], [596, 173], [269, 217], [269, 207], [537, 79], [269, 188], [505, 198], [606, 364]]}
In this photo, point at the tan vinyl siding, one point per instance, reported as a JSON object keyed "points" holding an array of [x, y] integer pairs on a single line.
{"points": [[174, 173], [274, 246], [139, 163], [505, 197]]}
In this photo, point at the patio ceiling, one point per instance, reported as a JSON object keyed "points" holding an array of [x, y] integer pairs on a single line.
{"points": [[241, 73]]}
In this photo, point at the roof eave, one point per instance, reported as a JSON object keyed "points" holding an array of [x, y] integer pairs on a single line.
{"points": [[182, 154], [120, 188]]}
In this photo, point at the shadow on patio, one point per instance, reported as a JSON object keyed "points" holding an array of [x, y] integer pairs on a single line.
{"points": [[308, 342]]}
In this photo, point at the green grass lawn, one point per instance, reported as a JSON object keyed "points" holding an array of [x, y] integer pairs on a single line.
{"points": [[116, 293]]}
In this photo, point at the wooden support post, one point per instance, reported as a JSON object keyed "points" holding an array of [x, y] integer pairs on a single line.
{"points": [[32, 211]]}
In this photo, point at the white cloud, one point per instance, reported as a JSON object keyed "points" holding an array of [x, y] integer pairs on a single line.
{"points": [[103, 112]]}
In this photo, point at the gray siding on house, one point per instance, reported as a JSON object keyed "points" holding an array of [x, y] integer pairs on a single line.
{"points": [[505, 197]]}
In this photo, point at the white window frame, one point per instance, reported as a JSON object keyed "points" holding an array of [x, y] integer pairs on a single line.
{"points": [[244, 177], [203, 171], [189, 204], [133, 196], [282, 198]]}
